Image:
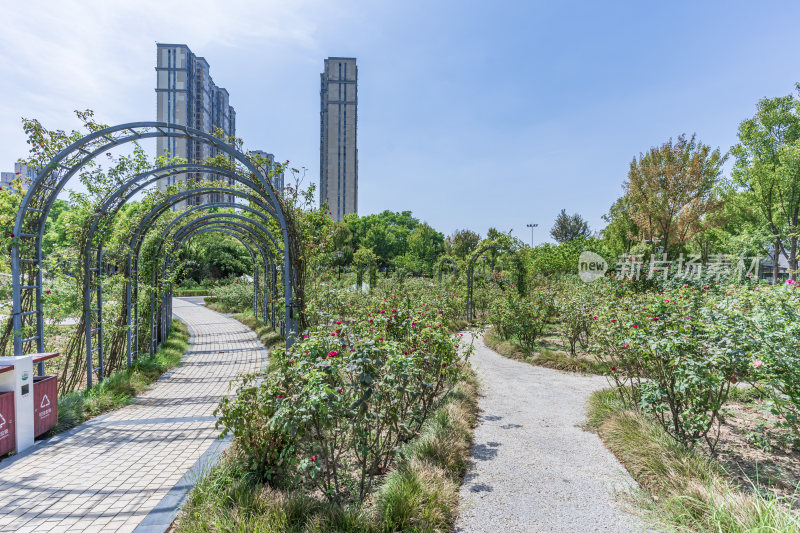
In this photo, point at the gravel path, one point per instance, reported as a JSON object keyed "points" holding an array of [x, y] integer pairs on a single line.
{"points": [[533, 468]]}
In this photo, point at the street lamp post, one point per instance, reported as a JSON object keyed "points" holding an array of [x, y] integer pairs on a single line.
{"points": [[532, 226], [339, 263]]}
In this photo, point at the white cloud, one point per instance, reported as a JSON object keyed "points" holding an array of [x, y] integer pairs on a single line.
{"points": [[58, 56]]}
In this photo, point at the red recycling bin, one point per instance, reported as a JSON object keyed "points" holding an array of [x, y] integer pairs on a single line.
{"points": [[45, 404], [7, 434]]}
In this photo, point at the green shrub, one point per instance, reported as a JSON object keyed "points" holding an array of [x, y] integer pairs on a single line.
{"points": [[330, 412], [234, 297], [666, 357], [522, 318]]}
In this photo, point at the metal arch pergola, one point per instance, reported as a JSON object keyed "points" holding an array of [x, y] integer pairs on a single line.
{"points": [[138, 238], [471, 268], [228, 221], [132, 267], [239, 231], [441, 267], [244, 242], [111, 205], [31, 218]]}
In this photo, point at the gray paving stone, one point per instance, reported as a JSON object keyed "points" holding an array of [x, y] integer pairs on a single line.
{"points": [[110, 473]]}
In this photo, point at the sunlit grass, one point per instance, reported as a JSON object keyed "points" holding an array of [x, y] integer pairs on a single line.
{"points": [[687, 491]]}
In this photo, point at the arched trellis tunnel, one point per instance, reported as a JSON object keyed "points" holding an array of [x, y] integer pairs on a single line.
{"points": [[158, 328], [264, 231], [447, 261], [230, 222], [29, 227]]}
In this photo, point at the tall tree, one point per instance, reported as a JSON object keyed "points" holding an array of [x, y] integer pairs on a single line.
{"points": [[462, 242], [569, 227], [768, 167], [672, 188], [621, 232]]}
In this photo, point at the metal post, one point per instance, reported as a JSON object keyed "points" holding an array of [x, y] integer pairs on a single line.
{"points": [[532, 226]]}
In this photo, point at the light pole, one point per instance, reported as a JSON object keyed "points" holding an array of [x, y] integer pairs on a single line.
{"points": [[339, 263], [532, 226]]}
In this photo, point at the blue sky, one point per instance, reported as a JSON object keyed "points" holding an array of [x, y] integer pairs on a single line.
{"points": [[471, 114]]}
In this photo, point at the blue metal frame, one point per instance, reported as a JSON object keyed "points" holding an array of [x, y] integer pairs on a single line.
{"points": [[30, 221]]}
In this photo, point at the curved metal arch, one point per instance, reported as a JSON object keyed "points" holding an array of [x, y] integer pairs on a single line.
{"points": [[138, 238], [188, 230], [441, 266], [162, 207], [191, 226], [45, 188], [266, 256], [269, 263], [93, 284], [132, 268], [193, 223], [167, 299], [222, 205], [471, 267]]}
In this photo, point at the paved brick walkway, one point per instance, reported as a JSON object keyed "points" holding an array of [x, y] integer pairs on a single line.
{"points": [[127, 470]]}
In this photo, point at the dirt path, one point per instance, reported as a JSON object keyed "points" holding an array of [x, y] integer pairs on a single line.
{"points": [[533, 468]]}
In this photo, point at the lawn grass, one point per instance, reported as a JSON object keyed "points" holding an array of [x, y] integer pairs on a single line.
{"points": [[687, 491], [544, 357], [420, 493], [117, 390]]}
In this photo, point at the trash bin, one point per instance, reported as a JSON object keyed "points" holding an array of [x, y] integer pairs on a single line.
{"points": [[7, 435], [45, 404]]}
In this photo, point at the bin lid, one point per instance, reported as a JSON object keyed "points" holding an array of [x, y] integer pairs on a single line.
{"points": [[39, 357]]}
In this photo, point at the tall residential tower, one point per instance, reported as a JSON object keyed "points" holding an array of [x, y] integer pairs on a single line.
{"points": [[338, 157], [186, 95]]}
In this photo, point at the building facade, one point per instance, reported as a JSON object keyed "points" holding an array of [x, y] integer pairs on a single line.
{"points": [[187, 95], [277, 178], [338, 158], [22, 172]]}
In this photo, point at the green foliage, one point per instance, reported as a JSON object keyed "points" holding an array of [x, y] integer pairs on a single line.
{"points": [[392, 236], [234, 297], [552, 259], [462, 243], [522, 318], [667, 357], [768, 167], [332, 410], [569, 227]]}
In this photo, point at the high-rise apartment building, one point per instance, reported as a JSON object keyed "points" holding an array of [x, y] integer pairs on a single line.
{"points": [[22, 172], [277, 178], [338, 157], [186, 95]]}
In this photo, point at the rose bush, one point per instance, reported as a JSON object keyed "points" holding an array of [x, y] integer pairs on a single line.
{"points": [[332, 410], [668, 356]]}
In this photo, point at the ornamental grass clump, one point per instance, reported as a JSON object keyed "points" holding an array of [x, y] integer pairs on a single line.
{"points": [[330, 414]]}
